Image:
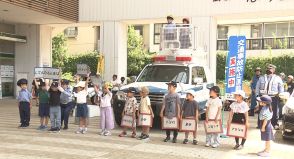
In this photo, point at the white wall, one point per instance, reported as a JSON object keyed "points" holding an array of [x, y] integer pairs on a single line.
{"points": [[98, 10], [37, 50], [83, 43], [113, 46]]}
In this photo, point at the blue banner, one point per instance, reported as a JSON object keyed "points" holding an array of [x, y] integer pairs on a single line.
{"points": [[235, 64]]}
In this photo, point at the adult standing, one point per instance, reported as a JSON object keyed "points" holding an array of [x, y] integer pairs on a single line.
{"points": [[115, 83], [253, 87], [270, 84], [290, 84], [170, 33], [185, 34]]}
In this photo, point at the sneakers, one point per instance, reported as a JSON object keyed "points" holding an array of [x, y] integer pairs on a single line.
{"points": [[195, 142], [240, 147], [141, 136], [264, 154], [214, 145], [107, 133], [102, 132], [133, 135], [236, 147], [65, 127], [174, 140], [185, 141], [207, 145], [79, 131], [54, 129], [145, 137], [166, 139], [85, 130], [123, 134], [40, 127]]}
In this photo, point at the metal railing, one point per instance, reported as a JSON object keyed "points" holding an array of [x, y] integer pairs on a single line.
{"points": [[261, 43], [177, 36]]}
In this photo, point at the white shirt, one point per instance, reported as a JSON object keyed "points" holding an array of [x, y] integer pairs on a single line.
{"points": [[81, 96], [105, 99], [213, 105], [239, 107], [144, 105], [115, 84]]}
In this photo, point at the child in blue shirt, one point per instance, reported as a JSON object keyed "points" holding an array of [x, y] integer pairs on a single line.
{"points": [[24, 98], [266, 128]]}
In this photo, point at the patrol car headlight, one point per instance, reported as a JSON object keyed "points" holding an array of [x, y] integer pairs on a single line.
{"points": [[121, 95]]}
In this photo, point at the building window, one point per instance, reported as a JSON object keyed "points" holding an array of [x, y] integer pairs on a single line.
{"points": [[139, 29], [71, 32], [222, 32], [222, 36], [157, 29], [270, 30], [282, 29]]}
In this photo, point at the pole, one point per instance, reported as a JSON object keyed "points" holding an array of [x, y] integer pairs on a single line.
{"points": [[223, 135]]}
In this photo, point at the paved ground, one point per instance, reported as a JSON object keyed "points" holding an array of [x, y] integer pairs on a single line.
{"points": [[30, 143]]}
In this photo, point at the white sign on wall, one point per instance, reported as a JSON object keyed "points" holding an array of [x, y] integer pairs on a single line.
{"points": [[83, 69], [47, 72], [7, 71]]}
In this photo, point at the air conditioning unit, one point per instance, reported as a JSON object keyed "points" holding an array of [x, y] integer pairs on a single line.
{"points": [[71, 32]]}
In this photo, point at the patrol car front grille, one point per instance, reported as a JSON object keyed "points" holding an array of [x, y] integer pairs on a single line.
{"points": [[154, 98]]}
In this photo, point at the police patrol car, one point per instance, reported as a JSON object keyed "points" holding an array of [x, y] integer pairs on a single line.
{"points": [[177, 61]]}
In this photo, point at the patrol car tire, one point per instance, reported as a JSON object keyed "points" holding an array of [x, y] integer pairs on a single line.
{"points": [[203, 116]]}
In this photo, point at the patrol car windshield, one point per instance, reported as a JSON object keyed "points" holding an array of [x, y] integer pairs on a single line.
{"points": [[165, 73]]}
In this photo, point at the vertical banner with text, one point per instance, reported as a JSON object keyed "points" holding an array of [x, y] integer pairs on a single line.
{"points": [[235, 65]]}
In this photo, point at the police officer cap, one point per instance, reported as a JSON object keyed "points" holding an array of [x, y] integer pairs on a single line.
{"points": [[22, 81], [270, 66], [264, 98], [65, 81], [216, 89], [173, 83], [257, 69], [132, 90]]}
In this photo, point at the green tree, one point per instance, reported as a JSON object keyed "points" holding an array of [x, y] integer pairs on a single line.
{"points": [[59, 50], [138, 56]]}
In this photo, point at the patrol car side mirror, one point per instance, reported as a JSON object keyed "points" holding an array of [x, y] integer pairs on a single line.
{"points": [[197, 80]]}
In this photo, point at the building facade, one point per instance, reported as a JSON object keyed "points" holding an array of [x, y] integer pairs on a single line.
{"points": [[25, 37], [27, 26]]}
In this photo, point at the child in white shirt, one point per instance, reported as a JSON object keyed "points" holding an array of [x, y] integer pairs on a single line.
{"points": [[82, 107], [106, 113], [213, 111]]}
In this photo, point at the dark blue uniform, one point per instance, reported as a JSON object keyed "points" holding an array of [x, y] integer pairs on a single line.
{"points": [[24, 98]]}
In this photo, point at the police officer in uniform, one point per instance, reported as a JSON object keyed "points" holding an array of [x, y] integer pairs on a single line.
{"points": [[271, 84], [253, 87]]}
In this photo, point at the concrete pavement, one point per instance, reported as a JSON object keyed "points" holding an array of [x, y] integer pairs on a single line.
{"points": [[31, 143]]}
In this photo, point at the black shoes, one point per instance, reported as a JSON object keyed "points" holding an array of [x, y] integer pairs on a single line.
{"points": [[166, 139]]}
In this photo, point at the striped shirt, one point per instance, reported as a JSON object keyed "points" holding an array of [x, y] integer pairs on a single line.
{"points": [[265, 113]]}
